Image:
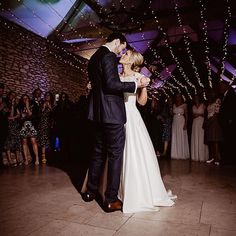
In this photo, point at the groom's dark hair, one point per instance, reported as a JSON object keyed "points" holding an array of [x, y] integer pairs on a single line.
{"points": [[116, 35]]}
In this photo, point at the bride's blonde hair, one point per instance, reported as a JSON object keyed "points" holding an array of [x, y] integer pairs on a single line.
{"points": [[137, 60]]}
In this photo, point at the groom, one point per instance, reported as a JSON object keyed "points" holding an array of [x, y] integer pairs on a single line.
{"points": [[107, 111]]}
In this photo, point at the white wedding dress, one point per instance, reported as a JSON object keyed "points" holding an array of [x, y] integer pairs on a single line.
{"points": [[141, 186]]}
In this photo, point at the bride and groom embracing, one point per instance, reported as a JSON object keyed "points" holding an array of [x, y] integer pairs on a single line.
{"points": [[134, 182]]}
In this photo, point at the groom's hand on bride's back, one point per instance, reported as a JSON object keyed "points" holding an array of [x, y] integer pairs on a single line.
{"points": [[143, 82]]}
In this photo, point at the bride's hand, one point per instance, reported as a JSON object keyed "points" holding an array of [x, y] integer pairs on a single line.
{"points": [[143, 82]]}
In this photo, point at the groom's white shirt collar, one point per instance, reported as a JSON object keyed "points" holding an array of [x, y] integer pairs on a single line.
{"points": [[106, 47]]}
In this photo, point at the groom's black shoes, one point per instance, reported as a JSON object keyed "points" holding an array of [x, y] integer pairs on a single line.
{"points": [[113, 206], [88, 197]]}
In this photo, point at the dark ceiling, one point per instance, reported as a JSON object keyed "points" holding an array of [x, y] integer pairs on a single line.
{"points": [[190, 42]]}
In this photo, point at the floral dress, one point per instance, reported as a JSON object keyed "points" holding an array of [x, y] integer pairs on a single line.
{"points": [[27, 130], [13, 141]]}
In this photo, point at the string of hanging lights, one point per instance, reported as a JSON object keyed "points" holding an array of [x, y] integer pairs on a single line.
{"points": [[187, 45], [205, 40], [172, 76], [226, 37], [157, 56], [180, 68]]}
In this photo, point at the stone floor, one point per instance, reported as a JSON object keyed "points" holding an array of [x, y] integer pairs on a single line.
{"points": [[43, 200]]}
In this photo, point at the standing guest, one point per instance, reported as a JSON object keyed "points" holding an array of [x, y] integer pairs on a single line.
{"points": [[28, 130], [199, 151], [213, 131], [63, 124], [45, 124], [179, 142], [227, 118], [84, 134], [3, 122], [166, 115], [154, 125], [13, 143], [36, 104]]}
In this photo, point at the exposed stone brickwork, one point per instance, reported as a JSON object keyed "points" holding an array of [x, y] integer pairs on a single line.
{"points": [[28, 61]]}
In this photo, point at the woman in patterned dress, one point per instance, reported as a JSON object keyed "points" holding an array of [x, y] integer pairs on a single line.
{"points": [[45, 124], [13, 143], [28, 130]]}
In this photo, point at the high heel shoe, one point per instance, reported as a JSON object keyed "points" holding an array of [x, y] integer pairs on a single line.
{"points": [[210, 160], [217, 163], [171, 195], [44, 160]]}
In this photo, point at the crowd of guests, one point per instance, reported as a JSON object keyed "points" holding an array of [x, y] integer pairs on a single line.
{"points": [[32, 125], [202, 129]]}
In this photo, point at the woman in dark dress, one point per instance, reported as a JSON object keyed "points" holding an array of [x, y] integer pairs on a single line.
{"points": [[166, 115], [213, 130], [154, 125], [45, 124]]}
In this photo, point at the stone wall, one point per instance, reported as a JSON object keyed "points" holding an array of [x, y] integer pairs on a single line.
{"points": [[28, 61]]}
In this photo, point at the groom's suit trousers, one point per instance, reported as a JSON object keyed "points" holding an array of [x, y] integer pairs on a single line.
{"points": [[110, 141]]}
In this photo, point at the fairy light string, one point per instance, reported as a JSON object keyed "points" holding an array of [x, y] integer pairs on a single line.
{"points": [[172, 76], [180, 68], [187, 46], [226, 37], [205, 40]]}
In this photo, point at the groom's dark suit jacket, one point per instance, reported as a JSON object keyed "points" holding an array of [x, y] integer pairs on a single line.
{"points": [[106, 99]]}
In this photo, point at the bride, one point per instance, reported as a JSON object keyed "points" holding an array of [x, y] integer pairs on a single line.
{"points": [[141, 186]]}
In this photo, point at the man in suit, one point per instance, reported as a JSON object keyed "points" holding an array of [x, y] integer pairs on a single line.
{"points": [[227, 118], [107, 111]]}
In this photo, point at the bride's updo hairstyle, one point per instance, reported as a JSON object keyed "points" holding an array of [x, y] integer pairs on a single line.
{"points": [[137, 60]]}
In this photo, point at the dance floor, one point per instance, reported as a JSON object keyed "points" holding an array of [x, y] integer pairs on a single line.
{"points": [[43, 200]]}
